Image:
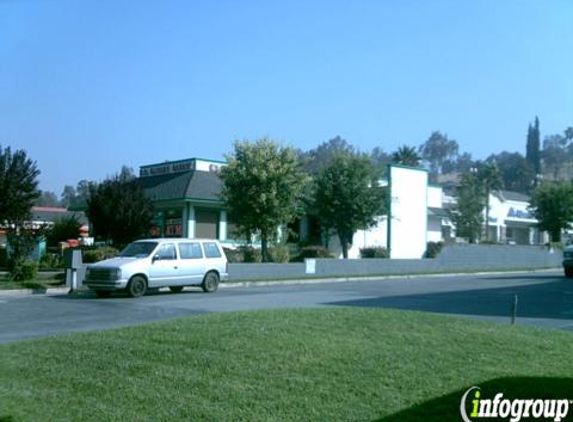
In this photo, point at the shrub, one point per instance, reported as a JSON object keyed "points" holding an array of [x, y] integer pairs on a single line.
{"points": [[280, 253], [243, 254], [251, 254], [488, 242], [374, 252], [99, 254], [433, 249], [51, 261], [62, 230], [23, 270], [313, 252], [234, 256]]}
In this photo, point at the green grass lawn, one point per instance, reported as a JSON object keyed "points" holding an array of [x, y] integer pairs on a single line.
{"points": [[344, 364], [38, 284]]}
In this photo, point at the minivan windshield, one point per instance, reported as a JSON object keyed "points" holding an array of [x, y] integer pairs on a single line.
{"points": [[138, 250]]}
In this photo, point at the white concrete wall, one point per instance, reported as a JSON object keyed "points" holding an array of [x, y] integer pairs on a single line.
{"points": [[206, 165], [434, 229], [435, 196], [408, 212], [373, 237]]}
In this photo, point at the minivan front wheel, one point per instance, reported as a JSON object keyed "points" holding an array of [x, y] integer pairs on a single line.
{"points": [[137, 286], [210, 282]]}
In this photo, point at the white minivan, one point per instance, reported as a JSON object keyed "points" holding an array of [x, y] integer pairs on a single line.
{"points": [[153, 263]]}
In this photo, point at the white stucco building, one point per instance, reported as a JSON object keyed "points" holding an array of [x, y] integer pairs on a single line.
{"points": [[419, 213]]}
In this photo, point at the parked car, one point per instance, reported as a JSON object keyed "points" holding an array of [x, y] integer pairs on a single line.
{"points": [[153, 263], [568, 261]]}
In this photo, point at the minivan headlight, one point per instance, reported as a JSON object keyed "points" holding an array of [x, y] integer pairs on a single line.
{"points": [[117, 274]]}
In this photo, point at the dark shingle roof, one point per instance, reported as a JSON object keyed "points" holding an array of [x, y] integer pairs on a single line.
{"points": [[53, 214], [515, 196], [199, 185], [204, 185]]}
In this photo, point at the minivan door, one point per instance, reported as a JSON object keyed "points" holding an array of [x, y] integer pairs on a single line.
{"points": [[192, 263], [164, 269]]}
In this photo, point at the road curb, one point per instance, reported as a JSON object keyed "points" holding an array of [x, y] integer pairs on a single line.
{"points": [[34, 292], [232, 284]]}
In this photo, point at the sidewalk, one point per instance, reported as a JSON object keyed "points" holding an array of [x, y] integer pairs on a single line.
{"points": [[236, 284]]}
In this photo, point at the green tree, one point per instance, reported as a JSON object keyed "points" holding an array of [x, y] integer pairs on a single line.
{"points": [[119, 210], [552, 206], [18, 185], [47, 199], [18, 192], [533, 155], [437, 151], [262, 188], [62, 230], [406, 156], [490, 179], [556, 155], [515, 171], [320, 156], [468, 213], [68, 196], [347, 196], [380, 159], [460, 164]]}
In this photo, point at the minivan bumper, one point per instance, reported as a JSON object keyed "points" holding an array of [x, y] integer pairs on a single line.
{"points": [[106, 285]]}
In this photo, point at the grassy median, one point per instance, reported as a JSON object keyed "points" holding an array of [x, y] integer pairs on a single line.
{"points": [[290, 365]]}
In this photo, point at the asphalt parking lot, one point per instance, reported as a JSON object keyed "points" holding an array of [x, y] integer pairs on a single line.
{"points": [[544, 300]]}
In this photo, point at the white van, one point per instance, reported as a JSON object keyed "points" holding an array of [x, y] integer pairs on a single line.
{"points": [[153, 263]]}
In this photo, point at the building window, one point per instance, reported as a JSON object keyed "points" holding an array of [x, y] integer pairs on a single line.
{"points": [[168, 223], [207, 223]]}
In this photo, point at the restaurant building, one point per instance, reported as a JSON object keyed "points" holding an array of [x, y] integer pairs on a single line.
{"points": [[185, 194]]}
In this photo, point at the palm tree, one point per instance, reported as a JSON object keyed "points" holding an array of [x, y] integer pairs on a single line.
{"points": [[490, 178], [407, 156]]}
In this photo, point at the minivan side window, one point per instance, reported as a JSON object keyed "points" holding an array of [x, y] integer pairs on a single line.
{"points": [[166, 251], [190, 251], [211, 250]]}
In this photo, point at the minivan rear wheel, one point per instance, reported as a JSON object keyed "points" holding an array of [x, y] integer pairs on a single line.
{"points": [[569, 272], [210, 282], [137, 286]]}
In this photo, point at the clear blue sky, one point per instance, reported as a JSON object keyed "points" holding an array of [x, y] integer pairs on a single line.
{"points": [[89, 85]]}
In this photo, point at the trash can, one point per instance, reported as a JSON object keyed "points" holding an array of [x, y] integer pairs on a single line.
{"points": [[74, 267]]}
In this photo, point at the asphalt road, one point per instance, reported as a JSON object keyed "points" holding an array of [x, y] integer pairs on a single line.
{"points": [[544, 300]]}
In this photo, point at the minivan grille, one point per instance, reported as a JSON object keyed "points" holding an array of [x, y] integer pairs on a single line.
{"points": [[103, 274]]}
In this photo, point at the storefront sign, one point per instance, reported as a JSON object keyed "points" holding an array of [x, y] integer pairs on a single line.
{"points": [[173, 227], [514, 213], [167, 168]]}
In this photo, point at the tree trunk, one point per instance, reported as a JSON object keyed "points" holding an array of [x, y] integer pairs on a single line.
{"points": [[264, 247], [344, 245], [556, 236]]}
